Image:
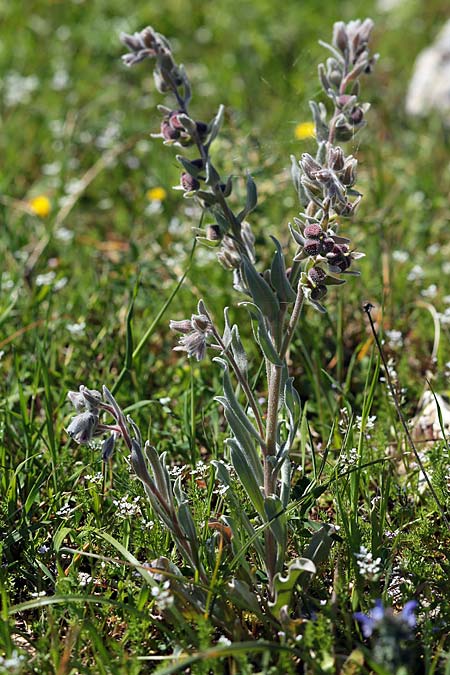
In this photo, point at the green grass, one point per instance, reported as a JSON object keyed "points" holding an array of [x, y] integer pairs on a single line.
{"points": [[260, 61]]}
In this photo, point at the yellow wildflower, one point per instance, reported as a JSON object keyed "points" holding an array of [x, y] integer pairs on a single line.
{"points": [[156, 194], [304, 130], [40, 205]]}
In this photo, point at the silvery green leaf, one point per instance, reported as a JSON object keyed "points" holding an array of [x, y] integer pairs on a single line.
{"points": [[278, 276], [221, 220], [215, 125], [323, 78], [223, 476], [231, 404], [228, 187], [162, 459], [158, 472], [246, 476], [241, 595], [187, 523], [263, 296], [208, 197], [226, 337], [286, 475], [319, 117], [188, 124], [262, 335], [190, 167], [333, 50], [251, 200], [243, 438], [178, 491], [277, 519], [297, 236], [212, 177], [333, 281], [296, 175], [209, 243], [285, 585], [186, 84], [321, 154], [239, 353], [320, 545], [113, 403], [138, 463], [293, 406]]}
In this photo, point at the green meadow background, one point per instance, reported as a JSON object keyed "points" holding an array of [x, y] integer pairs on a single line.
{"points": [[88, 220]]}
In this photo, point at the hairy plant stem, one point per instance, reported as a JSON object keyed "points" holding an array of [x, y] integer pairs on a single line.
{"points": [[293, 321], [269, 474], [244, 384]]}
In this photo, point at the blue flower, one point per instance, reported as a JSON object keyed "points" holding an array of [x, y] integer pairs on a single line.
{"points": [[369, 622], [379, 615]]}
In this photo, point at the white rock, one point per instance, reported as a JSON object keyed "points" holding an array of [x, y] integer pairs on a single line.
{"points": [[429, 88]]}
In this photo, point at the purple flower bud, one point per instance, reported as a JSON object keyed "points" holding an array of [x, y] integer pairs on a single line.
{"points": [[357, 115], [336, 158], [316, 275], [174, 120], [319, 292], [184, 326], [340, 37], [313, 231], [188, 182], [200, 322], [213, 233], [309, 165], [168, 132], [77, 400], [312, 247], [328, 245], [108, 447], [82, 427]]}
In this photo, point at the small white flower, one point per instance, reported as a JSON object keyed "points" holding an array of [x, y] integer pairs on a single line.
{"points": [[64, 510], [64, 234], [367, 566], [429, 292], [60, 283], [223, 640], [400, 256], [76, 328], [394, 338], [416, 274], [52, 169], [13, 664], [45, 279], [84, 579]]}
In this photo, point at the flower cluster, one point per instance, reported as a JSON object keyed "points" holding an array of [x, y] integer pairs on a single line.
{"points": [[325, 183], [84, 426], [368, 566], [196, 331]]}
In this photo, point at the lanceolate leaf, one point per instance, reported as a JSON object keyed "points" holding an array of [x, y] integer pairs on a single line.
{"points": [[278, 275], [216, 125], [284, 585], [246, 476], [277, 519], [263, 296], [231, 403], [262, 335], [251, 201]]}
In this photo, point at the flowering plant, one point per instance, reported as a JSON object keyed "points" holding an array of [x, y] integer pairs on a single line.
{"points": [[256, 526]]}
